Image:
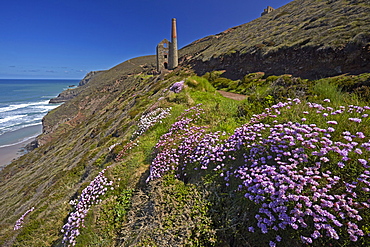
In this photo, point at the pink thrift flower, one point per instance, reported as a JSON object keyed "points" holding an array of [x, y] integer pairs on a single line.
{"points": [[362, 161], [356, 120], [341, 164], [360, 135], [332, 122]]}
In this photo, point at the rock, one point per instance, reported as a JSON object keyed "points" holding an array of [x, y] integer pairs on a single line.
{"points": [[73, 92], [88, 77], [306, 62], [31, 146], [65, 96]]}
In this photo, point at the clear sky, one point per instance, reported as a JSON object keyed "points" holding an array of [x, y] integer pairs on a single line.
{"points": [[65, 39]]}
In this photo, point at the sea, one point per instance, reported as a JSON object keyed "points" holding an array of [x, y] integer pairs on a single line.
{"points": [[23, 104]]}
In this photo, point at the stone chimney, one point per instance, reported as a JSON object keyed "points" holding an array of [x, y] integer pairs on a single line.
{"points": [[173, 54]]}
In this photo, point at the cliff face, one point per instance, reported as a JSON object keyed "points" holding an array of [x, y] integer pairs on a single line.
{"points": [[65, 96], [101, 89], [71, 93], [304, 62], [88, 77]]}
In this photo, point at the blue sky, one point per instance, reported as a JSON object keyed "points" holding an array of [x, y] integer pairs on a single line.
{"points": [[65, 39]]}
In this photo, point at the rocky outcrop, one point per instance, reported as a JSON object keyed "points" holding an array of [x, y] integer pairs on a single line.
{"points": [[88, 77], [98, 87], [73, 92], [65, 96]]}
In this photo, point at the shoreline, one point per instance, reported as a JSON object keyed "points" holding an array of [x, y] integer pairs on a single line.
{"points": [[11, 152]]}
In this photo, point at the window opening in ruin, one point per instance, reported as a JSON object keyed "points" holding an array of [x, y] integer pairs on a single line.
{"points": [[165, 45], [165, 65], [165, 56]]}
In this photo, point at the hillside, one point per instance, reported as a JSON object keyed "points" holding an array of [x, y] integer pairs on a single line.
{"points": [[310, 39], [134, 158]]}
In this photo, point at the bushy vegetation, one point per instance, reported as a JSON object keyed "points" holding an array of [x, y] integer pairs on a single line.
{"points": [[192, 168], [262, 91]]}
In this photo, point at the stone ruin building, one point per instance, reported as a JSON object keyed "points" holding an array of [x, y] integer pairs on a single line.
{"points": [[269, 9], [167, 54]]}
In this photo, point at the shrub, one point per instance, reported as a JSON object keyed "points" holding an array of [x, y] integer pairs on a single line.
{"points": [[326, 90], [213, 75], [199, 83], [358, 84]]}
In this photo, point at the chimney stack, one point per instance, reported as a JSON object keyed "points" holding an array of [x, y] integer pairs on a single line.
{"points": [[173, 55]]}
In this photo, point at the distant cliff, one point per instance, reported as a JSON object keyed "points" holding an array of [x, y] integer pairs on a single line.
{"points": [[65, 96], [88, 77], [73, 92]]}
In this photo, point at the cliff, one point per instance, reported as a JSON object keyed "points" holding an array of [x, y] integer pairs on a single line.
{"points": [[102, 88], [133, 158], [73, 92], [64, 96]]}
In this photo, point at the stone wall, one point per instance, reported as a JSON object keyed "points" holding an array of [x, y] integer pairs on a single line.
{"points": [[269, 9], [162, 55]]}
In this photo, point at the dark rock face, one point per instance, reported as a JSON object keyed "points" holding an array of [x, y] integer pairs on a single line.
{"points": [[88, 77], [71, 93], [65, 96], [32, 145], [305, 62]]}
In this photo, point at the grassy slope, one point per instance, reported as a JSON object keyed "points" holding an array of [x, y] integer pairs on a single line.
{"points": [[315, 23], [49, 176], [167, 212], [310, 39]]}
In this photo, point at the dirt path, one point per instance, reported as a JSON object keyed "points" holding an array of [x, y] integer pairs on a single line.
{"points": [[234, 96]]}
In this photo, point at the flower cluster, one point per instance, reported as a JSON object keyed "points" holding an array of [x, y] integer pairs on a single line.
{"points": [[312, 177], [285, 174], [148, 120], [90, 195], [185, 134], [19, 222], [177, 87]]}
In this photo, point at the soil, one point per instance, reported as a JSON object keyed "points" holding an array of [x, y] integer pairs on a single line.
{"points": [[234, 96]]}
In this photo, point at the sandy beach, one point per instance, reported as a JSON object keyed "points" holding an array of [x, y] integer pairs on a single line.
{"points": [[7, 154], [10, 152]]}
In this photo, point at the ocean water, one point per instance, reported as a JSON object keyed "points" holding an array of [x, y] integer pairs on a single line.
{"points": [[23, 104]]}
